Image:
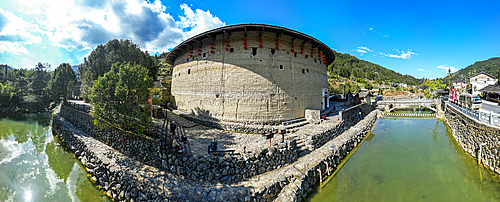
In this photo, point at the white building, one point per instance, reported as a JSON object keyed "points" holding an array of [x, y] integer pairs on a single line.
{"points": [[479, 81]]}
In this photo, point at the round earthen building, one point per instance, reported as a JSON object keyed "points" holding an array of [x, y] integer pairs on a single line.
{"points": [[250, 73]]}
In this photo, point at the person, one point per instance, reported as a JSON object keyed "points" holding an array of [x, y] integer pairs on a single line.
{"points": [[360, 116], [213, 145], [324, 117], [172, 128], [177, 144]]}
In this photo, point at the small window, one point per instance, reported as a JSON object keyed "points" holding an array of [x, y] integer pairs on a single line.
{"points": [[179, 74], [303, 71], [314, 60], [204, 55], [295, 54], [282, 67], [484, 81], [254, 51], [307, 70], [231, 50], [187, 59], [260, 60], [476, 79], [488, 79], [287, 52], [307, 56], [189, 71], [273, 51]]}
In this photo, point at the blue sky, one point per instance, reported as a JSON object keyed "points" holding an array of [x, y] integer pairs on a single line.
{"points": [[420, 38]]}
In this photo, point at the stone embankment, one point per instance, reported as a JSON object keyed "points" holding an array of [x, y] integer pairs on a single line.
{"points": [[480, 140], [131, 167]]}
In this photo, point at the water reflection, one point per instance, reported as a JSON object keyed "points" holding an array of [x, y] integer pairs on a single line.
{"points": [[410, 160], [35, 166]]}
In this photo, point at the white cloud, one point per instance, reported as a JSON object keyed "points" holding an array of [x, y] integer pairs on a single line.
{"points": [[363, 50], [81, 25], [402, 54], [422, 70], [15, 33], [445, 67]]}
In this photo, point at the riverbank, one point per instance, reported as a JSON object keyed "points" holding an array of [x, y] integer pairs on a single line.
{"points": [[177, 177], [480, 140]]}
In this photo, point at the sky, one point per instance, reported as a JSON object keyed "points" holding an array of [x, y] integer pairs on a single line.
{"points": [[419, 38]]}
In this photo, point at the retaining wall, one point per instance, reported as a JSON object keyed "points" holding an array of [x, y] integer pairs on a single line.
{"points": [[293, 182], [471, 133]]}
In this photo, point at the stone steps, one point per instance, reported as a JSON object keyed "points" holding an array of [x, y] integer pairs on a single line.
{"points": [[295, 125]]}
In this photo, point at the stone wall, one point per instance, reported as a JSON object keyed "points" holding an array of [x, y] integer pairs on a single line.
{"points": [[158, 153], [471, 134], [270, 86], [293, 182]]}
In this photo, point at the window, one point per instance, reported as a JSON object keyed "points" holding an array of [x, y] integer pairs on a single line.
{"points": [[282, 67], [303, 71], [287, 52], [231, 50], [295, 54], [307, 56], [488, 79], [187, 59], [476, 79], [189, 71], [314, 60], [254, 51], [204, 55], [307, 70], [273, 51]]}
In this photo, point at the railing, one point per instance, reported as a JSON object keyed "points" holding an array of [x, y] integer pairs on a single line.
{"points": [[488, 118], [407, 100], [80, 107]]}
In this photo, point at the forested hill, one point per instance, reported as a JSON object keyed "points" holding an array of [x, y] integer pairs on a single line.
{"points": [[348, 66], [490, 66]]}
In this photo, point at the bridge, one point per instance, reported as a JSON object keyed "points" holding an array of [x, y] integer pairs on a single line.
{"points": [[390, 105]]}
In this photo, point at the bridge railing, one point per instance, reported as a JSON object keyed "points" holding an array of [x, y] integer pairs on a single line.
{"points": [[488, 118], [408, 100]]}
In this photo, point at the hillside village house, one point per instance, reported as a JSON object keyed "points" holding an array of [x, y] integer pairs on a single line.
{"points": [[479, 81]]}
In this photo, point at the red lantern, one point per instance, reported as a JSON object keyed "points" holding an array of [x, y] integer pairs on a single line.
{"points": [[227, 49], [245, 43], [227, 40], [303, 45], [301, 52], [244, 39], [211, 47], [293, 42], [245, 47], [260, 45], [277, 44], [260, 41], [312, 52], [199, 50], [312, 56], [293, 46], [292, 50], [227, 44], [277, 47], [199, 46], [301, 48], [191, 48], [199, 53], [190, 51], [260, 37], [190, 55], [277, 40], [211, 51], [212, 44]]}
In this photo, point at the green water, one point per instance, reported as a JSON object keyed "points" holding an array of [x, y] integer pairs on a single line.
{"points": [[410, 160], [35, 167]]}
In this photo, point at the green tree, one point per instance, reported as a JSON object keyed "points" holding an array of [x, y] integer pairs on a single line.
{"points": [[117, 98], [40, 79], [103, 57], [369, 86], [62, 82]]}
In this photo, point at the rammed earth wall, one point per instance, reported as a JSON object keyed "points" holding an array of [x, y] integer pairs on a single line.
{"points": [[471, 134]]}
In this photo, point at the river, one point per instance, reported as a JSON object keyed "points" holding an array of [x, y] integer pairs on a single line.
{"points": [[36, 167], [409, 159]]}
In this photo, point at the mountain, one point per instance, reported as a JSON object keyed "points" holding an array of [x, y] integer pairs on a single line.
{"points": [[346, 65], [490, 66]]}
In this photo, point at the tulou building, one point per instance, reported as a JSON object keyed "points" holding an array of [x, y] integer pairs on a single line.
{"points": [[250, 73]]}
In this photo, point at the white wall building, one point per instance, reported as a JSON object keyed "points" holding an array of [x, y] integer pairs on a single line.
{"points": [[480, 80]]}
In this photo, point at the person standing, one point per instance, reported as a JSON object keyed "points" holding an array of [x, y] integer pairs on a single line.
{"points": [[172, 128]]}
